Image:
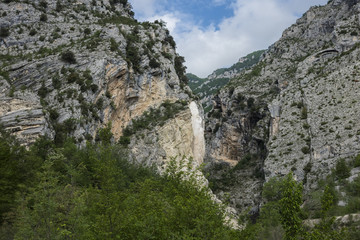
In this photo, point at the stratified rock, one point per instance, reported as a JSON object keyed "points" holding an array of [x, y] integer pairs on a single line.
{"points": [[296, 110]]}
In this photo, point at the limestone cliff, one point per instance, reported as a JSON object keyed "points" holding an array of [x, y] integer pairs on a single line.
{"points": [[179, 137], [70, 67], [296, 110]]}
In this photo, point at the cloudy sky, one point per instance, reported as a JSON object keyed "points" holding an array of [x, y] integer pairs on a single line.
{"points": [[211, 34]]}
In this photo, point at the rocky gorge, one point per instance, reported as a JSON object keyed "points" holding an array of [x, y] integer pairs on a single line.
{"points": [[70, 69], [296, 110]]}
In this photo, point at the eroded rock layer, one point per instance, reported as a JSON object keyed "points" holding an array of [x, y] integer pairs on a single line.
{"points": [[296, 110]]}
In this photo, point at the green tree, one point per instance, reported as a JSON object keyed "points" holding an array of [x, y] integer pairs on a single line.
{"points": [[290, 207], [324, 229], [342, 171], [51, 210]]}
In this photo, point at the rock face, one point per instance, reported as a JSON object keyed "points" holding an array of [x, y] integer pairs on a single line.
{"points": [[296, 110], [71, 67], [180, 137]]}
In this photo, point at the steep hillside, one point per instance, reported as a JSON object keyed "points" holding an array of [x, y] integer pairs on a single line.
{"points": [[69, 68], [206, 87], [296, 110]]}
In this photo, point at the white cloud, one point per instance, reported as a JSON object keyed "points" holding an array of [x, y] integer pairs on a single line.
{"points": [[255, 25]]}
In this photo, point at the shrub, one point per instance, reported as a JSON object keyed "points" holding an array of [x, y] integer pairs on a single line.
{"points": [[4, 32], [114, 46], [56, 81], [43, 17], [58, 7], [181, 69], [94, 88], [12, 91], [154, 64], [54, 115], [216, 114], [87, 31], [167, 55], [104, 135], [124, 140], [68, 57], [304, 113], [217, 127], [250, 102], [108, 94], [305, 150], [169, 39], [357, 161], [73, 77], [247, 161], [113, 2], [32, 32], [273, 189], [342, 171], [42, 92], [100, 103], [133, 57], [43, 4]]}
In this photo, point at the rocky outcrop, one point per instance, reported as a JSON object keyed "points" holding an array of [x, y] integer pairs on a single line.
{"points": [[296, 110], [73, 67], [180, 137]]}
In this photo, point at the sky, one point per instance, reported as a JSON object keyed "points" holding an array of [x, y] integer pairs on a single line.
{"points": [[212, 34]]}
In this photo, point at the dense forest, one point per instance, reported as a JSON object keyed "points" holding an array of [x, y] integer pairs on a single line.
{"points": [[93, 192]]}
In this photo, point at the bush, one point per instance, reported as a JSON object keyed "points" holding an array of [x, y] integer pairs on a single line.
{"points": [[43, 17], [273, 189], [342, 171], [304, 113], [113, 2], [99, 103], [68, 57], [169, 39], [133, 57], [154, 64], [94, 88], [43, 91], [32, 32], [4, 32], [54, 115], [357, 161], [43, 4], [181, 69], [59, 6], [87, 31], [73, 77], [56, 81], [305, 150], [167, 55], [246, 161], [114, 46]]}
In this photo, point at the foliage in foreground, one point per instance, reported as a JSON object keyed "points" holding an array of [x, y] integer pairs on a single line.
{"points": [[63, 192], [95, 193], [283, 218]]}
